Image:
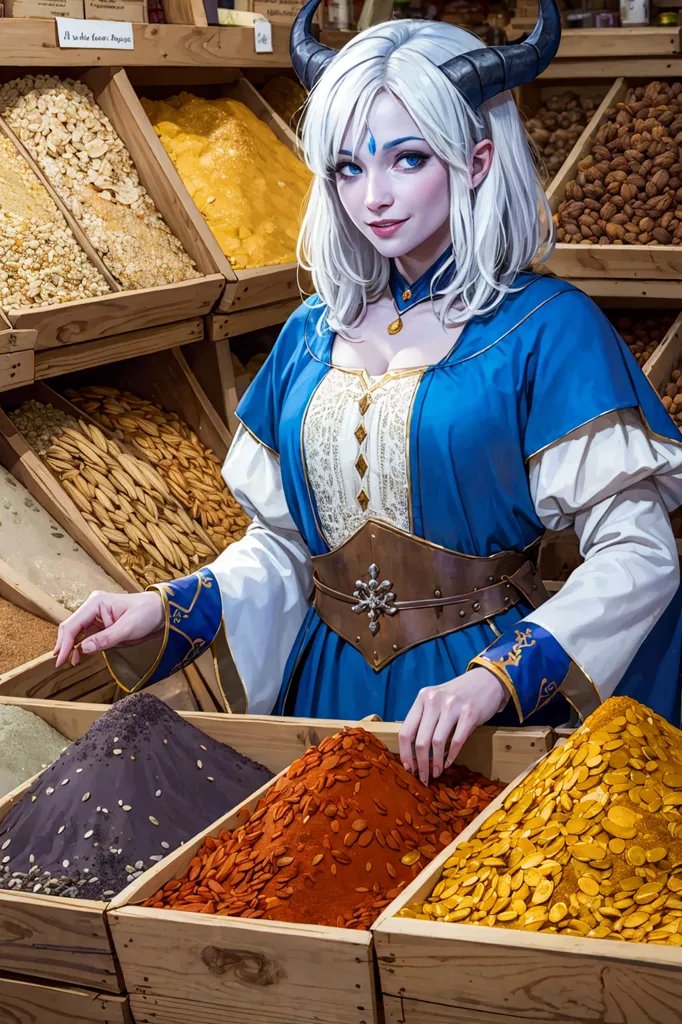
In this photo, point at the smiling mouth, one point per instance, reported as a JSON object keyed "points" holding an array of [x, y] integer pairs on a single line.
{"points": [[386, 227]]}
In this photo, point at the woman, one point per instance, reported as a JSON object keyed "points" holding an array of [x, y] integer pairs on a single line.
{"points": [[419, 423]]}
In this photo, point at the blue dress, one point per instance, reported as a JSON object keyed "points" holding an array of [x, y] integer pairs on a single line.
{"points": [[468, 491]]}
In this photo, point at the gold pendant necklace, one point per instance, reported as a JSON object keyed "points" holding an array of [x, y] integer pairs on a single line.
{"points": [[396, 326]]}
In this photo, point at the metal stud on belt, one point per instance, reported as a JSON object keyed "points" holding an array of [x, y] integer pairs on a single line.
{"points": [[374, 598]]}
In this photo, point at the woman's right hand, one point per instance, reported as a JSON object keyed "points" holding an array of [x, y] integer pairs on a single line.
{"points": [[108, 620]]}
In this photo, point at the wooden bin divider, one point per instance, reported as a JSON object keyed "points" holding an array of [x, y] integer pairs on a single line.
{"points": [[34, 1001], [267, 970], [606, 261], [121, 311], [39, 676], [447, 973], [666, 358]]}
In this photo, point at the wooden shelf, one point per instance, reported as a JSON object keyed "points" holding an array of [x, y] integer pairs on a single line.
{"points": [[29, 42]]}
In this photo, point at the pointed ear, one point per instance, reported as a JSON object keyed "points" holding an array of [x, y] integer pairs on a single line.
{"points": [[480, 163]]}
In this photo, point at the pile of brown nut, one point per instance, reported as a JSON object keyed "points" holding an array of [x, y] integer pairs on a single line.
{"points": [[672, 397], [643, 334], [628, 191], [556, 127]]}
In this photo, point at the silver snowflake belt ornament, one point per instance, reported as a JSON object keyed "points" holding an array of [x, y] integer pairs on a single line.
{"points": [[374, 598]]}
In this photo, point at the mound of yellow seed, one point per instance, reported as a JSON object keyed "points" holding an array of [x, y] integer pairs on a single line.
{"points": [[589, 844]]}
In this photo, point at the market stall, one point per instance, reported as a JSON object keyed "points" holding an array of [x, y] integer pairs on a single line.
{"points": [[118, 393]]}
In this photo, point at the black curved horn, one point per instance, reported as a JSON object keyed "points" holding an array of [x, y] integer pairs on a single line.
{"points": [[309, 56], [481, 74]]}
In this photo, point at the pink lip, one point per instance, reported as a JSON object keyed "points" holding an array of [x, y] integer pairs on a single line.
{"points": [[386, 228]]}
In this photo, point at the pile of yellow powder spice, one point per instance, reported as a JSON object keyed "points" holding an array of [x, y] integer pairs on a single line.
{"points": [[588, 845]]}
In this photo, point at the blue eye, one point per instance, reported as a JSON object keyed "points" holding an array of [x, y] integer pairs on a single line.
{"points": [[348, 170], [412, 161]]}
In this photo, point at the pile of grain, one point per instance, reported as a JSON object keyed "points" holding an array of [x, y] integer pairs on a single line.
{"points": [[333, 841], [23, 636], [139, 783], [86, 162], [589, 844], [191, 471], [41, 263], [127, 504], [286, 97], [249, 187], [27, 745], [33, 544]]}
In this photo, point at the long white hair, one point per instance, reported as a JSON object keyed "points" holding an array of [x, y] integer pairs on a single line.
{"points": [[497, 230]]}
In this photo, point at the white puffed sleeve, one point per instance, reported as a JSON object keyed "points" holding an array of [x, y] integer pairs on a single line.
{"points": [[615, 484], [265, 578]]}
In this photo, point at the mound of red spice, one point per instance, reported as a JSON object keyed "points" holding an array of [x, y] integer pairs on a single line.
{"points": [[333, 841]]}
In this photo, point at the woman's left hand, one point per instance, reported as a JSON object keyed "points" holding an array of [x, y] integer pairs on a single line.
{"points": [[462, 704]]}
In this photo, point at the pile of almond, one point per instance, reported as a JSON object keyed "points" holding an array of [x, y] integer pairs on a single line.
{"points": [[628, 191]]}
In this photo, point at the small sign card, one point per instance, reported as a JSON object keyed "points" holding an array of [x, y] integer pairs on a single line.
{"points": [[262, 31], [99, 35]]}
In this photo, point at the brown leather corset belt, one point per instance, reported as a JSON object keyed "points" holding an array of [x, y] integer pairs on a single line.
{"points": [[384, 591]]}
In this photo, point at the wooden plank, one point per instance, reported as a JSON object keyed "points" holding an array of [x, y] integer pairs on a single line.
{"points": [[20, 591], [252, 98], [29, 1002], [57, 361], [87, 319], [264, 286], [117, 98], [666, 358], [637, 67], [15, 341], [219, 327], [399, 1010], [34, 43], [186, 214], [16, 368], [583, 146], [640, 41], [211, 363], [20, 459], [640, 294], [40, 679]]}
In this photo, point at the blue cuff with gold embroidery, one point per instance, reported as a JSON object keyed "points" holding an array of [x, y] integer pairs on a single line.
{"points": [[533, 667], [193, 615]]}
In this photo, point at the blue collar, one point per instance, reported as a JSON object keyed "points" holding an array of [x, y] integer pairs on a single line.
{"points": [[406, 295]]}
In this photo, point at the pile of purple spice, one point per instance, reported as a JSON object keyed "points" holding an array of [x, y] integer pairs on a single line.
{"points": [[140, 783]]}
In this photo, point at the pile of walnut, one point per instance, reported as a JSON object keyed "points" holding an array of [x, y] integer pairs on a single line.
{"points": [[557, 126], [629, 189], [672, 398], [643, 334]]}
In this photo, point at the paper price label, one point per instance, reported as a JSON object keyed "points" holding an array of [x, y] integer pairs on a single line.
{"points": [[262, 31], [101, 35]]}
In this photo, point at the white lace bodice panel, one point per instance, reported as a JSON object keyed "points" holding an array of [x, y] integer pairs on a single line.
{"points": [[356, 450]]}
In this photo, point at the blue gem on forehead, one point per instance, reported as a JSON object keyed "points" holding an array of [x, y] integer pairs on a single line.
{"points": [[371, 145]]}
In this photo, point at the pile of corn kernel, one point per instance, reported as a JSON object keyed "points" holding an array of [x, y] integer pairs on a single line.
{"points": [[588, 845], [247, 184]]}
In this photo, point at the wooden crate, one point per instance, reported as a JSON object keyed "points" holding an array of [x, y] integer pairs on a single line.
{"points": [[250, 288], [607, 261], [23, 1001], [122, 311], [666, 358], [116, 10], [267, 970], [461, 974]]}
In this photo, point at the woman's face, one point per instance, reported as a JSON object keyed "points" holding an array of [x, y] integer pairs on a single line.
{"points": [[394, 188]]}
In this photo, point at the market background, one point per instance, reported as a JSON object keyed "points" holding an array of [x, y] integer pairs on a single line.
{"points": [[119, 381]]}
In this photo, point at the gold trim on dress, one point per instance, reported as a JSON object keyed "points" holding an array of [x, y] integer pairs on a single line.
{"points": [[503, 677], [256, 438], [304, 465]]}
